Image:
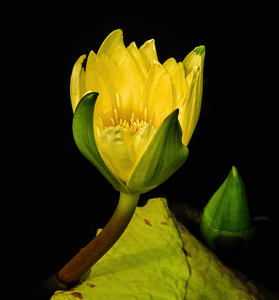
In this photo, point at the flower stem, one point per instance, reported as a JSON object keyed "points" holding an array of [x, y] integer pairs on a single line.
{"points": [[71, 273]]}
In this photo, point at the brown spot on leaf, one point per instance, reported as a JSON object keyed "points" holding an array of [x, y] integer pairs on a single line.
{"points": [[186, 253], [164, 223], [147, 222], [91, 285], [77, 295], [182, 229]]}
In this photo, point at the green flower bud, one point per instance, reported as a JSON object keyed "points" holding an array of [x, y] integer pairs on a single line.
{"points": [[225, 222]]}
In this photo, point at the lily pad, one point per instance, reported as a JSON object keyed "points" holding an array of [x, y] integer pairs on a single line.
{"points": [[158, 258]]}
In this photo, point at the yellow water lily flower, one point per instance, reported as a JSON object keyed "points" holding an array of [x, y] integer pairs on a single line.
{"points": [[134, 117]]}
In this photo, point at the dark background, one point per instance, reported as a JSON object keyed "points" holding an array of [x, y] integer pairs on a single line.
{"points": [[56, 198]]}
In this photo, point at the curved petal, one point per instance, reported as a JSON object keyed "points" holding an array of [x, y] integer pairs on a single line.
{"points": [[161, 103], [111, 42], [90, 69], [85, 139], [104, 107], [148, 53], [77, 88], [179, 89], [129, 84], [196, 59], [136, 56], [153, 89], [164, 155], [138, 143], [113, 150], [108, 72], [169, 64], [190, 108]]}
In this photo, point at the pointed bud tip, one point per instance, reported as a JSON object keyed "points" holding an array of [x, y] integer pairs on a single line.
{"points": [[199, 50], [234, 171]]}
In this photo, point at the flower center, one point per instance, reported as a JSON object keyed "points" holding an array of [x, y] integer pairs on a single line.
{"points": [[133, 124]]}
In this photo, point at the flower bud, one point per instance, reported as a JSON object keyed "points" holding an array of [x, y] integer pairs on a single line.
{"points": [[137, 132], [225, 223]]}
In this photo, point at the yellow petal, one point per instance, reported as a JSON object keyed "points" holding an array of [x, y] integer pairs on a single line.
{"points": [[196, 59], [108, 72], [169, 64], [193, 59], [90, 69], [148, 53], [77, 88], [113, 150], [129, 84], [151, 82], [138, 143], [189, 110], [157, 95], [136, 56], [99, 77], [82, 83], [104, 105], [98, 126], [179, 87], [111, 42], [161, 105]]}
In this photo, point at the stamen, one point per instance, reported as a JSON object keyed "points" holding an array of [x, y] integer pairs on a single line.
{"points": [[145, 114], [135, 125], [115, 116], [112, 122], [117, 101], [132, 118]]}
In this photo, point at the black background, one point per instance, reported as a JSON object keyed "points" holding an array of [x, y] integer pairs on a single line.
{"points": [[56, 198]]}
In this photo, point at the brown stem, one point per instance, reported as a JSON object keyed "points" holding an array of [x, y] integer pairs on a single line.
{"points": [[261, 219], [184, 212], [71, 273]]}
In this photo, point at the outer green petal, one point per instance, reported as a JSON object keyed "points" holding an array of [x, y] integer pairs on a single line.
{"points": [[228, 209], [164, 156], [85, 140], [111, 42], [192, 60]]}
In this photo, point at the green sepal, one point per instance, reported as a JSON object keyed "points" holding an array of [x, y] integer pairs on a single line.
{"points": [[225, 223], [165, 154], [83, 133]]}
